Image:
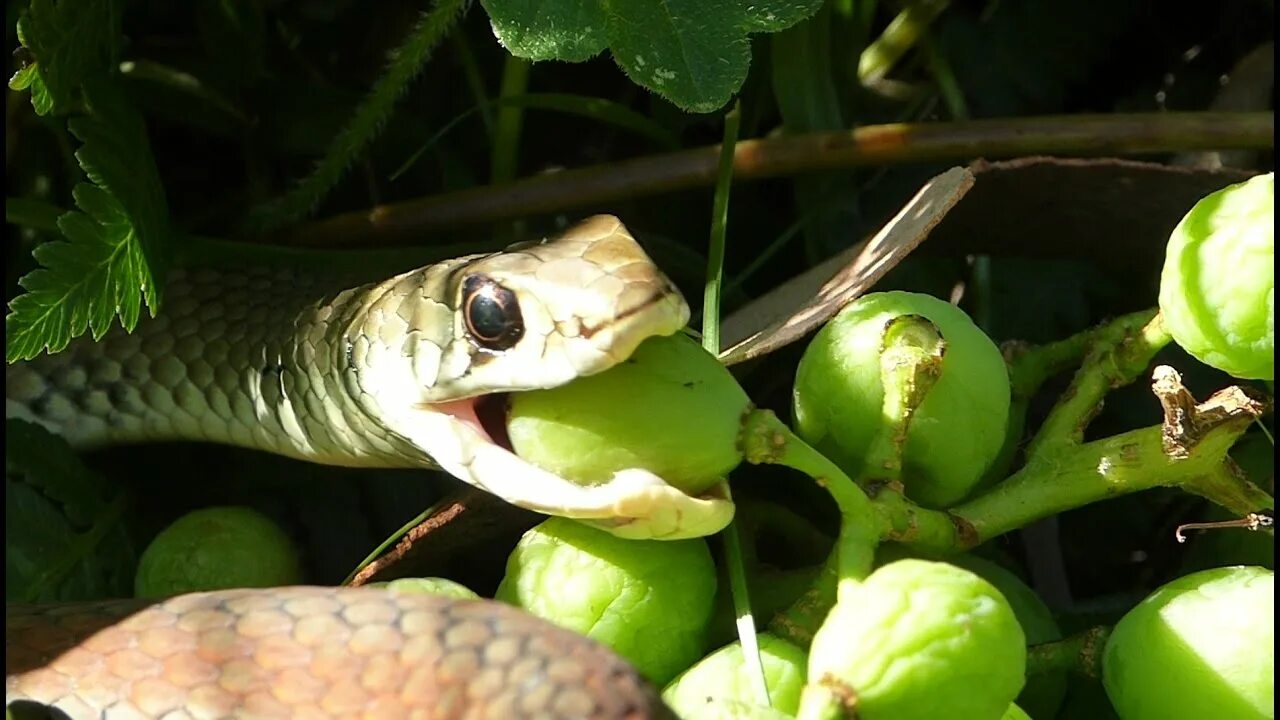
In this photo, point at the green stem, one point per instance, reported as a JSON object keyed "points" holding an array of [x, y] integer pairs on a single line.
{"points": [[510, 122], [1110, 467], [719, 229], [367, 121], [766, 439], [1080, 653], [1119, 352], [899, 37]]}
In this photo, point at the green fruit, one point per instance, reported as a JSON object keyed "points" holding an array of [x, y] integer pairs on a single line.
{"points": [[1202, 646], [649, 600], [214, 549], [671, 408], [1043, 693], [429, 586], [722, 677], [1217, 290], [1015, 713], [920, 640], [957, 430]]}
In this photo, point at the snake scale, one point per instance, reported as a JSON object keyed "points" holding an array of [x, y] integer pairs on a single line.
{"points": [[397, 373]]}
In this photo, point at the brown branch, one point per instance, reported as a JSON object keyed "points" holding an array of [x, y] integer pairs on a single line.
{"points": [[1090, 135]]}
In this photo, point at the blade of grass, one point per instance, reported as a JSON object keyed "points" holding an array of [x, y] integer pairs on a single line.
{"points": [[738, 589], [603, 111]]}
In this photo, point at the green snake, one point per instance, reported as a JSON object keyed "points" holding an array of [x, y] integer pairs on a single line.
{"points": [[408, 372]]}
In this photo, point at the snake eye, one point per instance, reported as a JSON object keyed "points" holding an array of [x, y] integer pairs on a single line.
{"points": [[491, 312]]}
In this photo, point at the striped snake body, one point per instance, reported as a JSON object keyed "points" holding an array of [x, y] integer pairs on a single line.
{"points": [[395, 373]]}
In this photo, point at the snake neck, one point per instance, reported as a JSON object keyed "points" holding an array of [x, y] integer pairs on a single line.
{"points": [[267, 359]]}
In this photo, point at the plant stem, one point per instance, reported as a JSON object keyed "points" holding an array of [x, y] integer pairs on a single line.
{"points": [[1120, 134], [766, 439], [510, 121], [1120, 351], [1080, 653], [899, 37]]}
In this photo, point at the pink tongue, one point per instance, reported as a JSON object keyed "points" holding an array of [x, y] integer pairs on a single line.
{"points": [[464, 411]]}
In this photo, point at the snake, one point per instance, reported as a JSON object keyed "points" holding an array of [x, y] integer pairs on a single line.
{"points": [[411, 371]]}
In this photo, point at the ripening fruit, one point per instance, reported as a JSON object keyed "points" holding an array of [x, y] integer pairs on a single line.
{"points": [[957, 430], [649, 600], [1202, 646], [1217, 290], [217, 548], [721, 678], [671, 408], [429, 586], [920, 640]]}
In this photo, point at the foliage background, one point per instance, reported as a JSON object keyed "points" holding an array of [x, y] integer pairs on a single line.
{"points": [[240, 99]]}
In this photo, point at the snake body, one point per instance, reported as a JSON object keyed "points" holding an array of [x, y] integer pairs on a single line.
{"points": [[384, 374]]}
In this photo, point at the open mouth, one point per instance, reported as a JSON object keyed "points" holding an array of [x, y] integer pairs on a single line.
{"points": [[486, 414]]}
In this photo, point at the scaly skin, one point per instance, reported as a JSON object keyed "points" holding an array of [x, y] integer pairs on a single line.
{"points": [[306, 652], [381, 375]]}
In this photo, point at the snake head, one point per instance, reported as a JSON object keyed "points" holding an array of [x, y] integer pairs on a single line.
{"points": [[530, 318]]}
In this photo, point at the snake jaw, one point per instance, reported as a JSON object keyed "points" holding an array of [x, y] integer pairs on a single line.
{"points": [[468, 441]]}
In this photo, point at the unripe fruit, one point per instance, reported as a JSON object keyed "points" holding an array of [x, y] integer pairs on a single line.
{"points": [[1217, 289], [649, 600], [957, 430], [1202, 646], [671, 408], [215, 549]]}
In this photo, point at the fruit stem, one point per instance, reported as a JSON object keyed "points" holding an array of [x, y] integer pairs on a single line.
{"points": [[1080, 653], [1119, 351], [911, 356], [766, 439]]}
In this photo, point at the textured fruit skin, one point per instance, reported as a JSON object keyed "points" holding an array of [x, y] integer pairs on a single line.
{"points": [[1201, 646], [1042, 695], [722, 676], [671, 408], [920, 640], [217, 548], [649, 600], [956, 432], [429, 586], [1217, 289]]}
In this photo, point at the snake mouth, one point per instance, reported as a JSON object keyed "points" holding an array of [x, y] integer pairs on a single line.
{"points": [[484, 414]]}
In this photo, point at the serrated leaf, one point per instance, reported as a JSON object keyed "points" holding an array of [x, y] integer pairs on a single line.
{"points": [[694, 53], [114, 248], [65, 536], [66, 41]]}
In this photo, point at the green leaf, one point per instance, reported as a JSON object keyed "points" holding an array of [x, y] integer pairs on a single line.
{"points": [[66, 539], [694, 53], [114, 245], [569, 30], [65, 41]]}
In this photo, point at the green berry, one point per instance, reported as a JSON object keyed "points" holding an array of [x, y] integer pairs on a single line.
{"points": [[429, 586], [671, 408], [1201, 646], [649, 600], [957, 430], [920, 640], [1043, 693], [214, 549], [1217, 290], [722, 677]]}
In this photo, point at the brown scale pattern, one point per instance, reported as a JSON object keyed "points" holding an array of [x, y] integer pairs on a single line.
{"points": [[309, 652]]}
